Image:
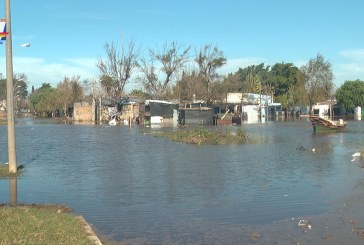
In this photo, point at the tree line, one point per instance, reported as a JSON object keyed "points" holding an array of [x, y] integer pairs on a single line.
{"points": [[175, 72]]}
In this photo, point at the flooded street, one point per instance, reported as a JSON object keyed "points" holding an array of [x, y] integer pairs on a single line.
{"points": [[138, 189]]}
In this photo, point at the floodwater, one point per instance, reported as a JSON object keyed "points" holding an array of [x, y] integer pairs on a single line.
{"points": [[138, 189]]}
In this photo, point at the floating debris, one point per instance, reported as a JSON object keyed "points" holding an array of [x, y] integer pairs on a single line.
{"points": [[303, 222], [358, 231], [254, 236], [356, 154]]}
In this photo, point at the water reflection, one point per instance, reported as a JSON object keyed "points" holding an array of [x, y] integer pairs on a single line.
{"points": [[13, 184], [134, 187]]}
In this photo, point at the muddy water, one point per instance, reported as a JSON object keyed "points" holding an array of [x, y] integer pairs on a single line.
{"points": [[135, 188]]}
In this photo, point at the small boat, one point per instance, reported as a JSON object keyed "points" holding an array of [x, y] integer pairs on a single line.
{"points": [[322, 124]]}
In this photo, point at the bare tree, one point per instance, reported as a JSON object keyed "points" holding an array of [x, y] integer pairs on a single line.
{"points": [[118, 67], [149, 79], [69, 92], [209, 59], [172, 58], [93, 89], [189, 87]]}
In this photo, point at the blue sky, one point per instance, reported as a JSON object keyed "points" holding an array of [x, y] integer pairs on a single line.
{"points": [[67, 37]]}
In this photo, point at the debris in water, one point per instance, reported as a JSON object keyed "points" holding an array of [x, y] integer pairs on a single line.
{"points": [[303, 222]]}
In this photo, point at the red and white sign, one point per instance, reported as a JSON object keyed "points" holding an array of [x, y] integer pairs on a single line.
{"points": [[3, 32]]}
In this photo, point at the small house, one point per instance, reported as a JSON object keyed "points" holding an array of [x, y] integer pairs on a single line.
{"points": [[159, 111], [196, 115], [83, 112]]}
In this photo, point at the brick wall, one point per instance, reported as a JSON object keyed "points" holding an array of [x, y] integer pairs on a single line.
{"points": [[83, 112]]}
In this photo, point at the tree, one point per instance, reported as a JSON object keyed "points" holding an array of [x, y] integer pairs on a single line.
{"points": [[19, 85], [252, 83], [138, 93], [93, 90], [171, 59], [209, 59], [284, 76], [69, 91], [118, 67], [254, 79], [351, 94], [149, 78], [190, 86], [318, 79], [284, 84], [44, 100]]}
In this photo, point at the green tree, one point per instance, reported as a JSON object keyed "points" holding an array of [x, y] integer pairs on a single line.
{"points": [[284, 76], [351, 94], [284, 84], [318, 79], [3, 89], [44, 100], [255, 79]]}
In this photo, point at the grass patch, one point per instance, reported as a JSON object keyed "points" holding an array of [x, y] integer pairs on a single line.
{"points": [[204, 136], [39, 224], [4, 171]]}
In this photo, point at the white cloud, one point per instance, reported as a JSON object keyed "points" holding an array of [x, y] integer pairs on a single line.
{"points": [[352, 66], [353, 54], [39, 71]]}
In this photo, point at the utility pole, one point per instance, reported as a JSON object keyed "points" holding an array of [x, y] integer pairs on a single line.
{"points": [[10, 92]]}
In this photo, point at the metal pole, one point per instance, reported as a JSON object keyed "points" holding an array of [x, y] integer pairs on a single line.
{"points": [[10, 92]]}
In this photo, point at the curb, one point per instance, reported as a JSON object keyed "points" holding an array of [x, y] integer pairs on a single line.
{"points": [[91, 234]]}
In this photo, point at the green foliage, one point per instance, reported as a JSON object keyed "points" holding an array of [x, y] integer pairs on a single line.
{"points": [[318, 79], [40, 225], [203, 136], [351, 94], [3, 89], [252, 77], [4, 171], [44, 100], [283, 75], [20, 88]]}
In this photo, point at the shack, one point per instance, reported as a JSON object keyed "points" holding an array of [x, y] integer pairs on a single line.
{"points": [[159, 111], [274, 110], [196, 115], [128, 109], [84, 112]]}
